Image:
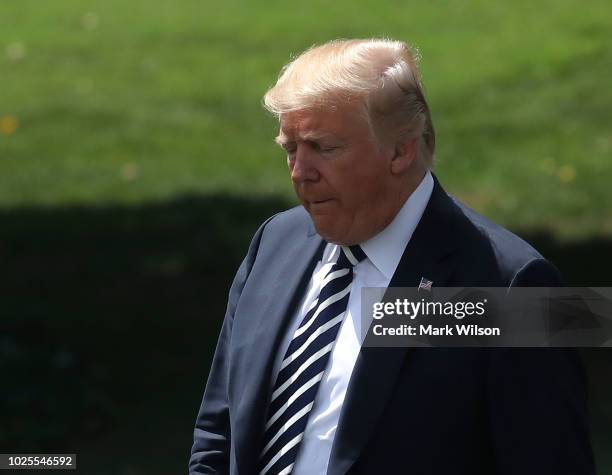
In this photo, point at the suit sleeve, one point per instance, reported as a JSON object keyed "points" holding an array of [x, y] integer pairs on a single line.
{"points": [[210, 453], [538, 401]]}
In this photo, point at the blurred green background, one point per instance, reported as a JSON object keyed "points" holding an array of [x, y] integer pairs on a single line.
{"points": [[136, 162]]}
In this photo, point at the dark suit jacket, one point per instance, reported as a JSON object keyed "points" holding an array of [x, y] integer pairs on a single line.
{"points": [[415, 411]]}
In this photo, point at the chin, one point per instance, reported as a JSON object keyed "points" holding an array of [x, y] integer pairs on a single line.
{"points": [[330, 232], [334, 235]]}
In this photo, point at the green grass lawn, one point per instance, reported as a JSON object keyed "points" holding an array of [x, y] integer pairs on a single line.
{"points": [[114, 102], [136, 161]]}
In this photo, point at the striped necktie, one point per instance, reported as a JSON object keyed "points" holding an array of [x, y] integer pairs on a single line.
{"points": [[304, 365]]}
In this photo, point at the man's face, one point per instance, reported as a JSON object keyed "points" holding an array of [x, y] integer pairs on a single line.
{"points": [[340, 174]]}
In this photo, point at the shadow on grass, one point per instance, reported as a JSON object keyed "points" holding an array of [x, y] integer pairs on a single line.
{"points": [[109, 317]]}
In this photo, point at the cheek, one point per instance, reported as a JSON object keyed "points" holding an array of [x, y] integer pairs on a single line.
{"points": [[353, 199], [364, 187]]}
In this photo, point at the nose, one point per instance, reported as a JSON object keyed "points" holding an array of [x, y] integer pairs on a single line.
{"points": [[302, 164]]}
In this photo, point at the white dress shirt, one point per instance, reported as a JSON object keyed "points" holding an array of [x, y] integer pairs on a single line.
{"points": [[383, 252]]}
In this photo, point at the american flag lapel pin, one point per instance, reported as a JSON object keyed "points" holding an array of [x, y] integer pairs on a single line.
{"points": [[425, 284]]}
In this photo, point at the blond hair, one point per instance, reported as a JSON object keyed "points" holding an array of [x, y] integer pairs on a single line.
{"points": [[381, 73]]}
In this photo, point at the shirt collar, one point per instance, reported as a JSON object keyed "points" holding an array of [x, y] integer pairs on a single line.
{"points": [[386, 248]]}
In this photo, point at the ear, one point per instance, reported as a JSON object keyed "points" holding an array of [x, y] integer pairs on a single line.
{"points": [[404, 155]]}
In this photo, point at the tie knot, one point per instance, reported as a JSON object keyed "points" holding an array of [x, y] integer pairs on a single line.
{"points": [[350, 256]]}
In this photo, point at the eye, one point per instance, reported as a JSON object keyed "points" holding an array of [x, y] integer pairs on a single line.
{"points": [[323, 148], [289, 148]]}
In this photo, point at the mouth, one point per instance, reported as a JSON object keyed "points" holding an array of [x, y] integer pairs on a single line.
{"points": [[316, 207], [320, 203]]}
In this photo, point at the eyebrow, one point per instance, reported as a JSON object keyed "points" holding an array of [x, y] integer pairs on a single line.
{"points": [[283, 140]]}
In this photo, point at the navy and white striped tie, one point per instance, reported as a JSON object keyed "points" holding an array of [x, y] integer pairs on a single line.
{"points": [[304, 365]]}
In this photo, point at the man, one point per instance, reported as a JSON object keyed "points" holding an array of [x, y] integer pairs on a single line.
{"points": [[291, 390]]}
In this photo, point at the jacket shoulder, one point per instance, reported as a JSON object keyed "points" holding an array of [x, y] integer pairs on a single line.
{"points": [[287, 224], [505, 241], [504, 254]]}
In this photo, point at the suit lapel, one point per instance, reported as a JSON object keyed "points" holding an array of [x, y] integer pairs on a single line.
{"points": [[270, 313], [379, 368]]}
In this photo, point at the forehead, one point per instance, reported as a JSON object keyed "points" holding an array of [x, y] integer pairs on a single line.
{"points": [[312, 124]]}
